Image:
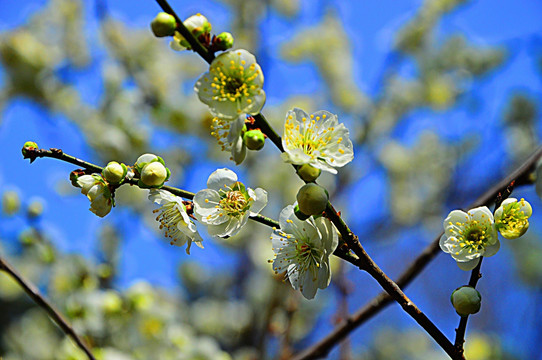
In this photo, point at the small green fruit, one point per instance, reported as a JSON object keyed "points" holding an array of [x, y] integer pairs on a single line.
{"points": [[312, 199], [466, 300], [254, 139], [308, 172], [163, 24]]}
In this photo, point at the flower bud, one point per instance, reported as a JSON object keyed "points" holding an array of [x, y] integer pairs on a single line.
{"points": [[154, 174], [163, 24], [35, 209], [511, 218], [199, 26], [114, 172], [299, 214], [254, 139], [10, 202], [144, 160], [308, 172], [466, 300], [223, 41], [312, 199], [28, 147]]}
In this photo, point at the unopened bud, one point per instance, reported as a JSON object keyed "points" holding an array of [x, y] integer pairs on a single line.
{"points": [[144, 160], [466, 300], [163, 24], [35, 209], [154, 174], [223, 41], [308, 172], [300, 215], [28, 147], [254, 139], [114, 172], [312, 199]]}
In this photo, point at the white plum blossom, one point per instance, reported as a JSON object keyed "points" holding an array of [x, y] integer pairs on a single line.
{"points": [[97, 191], [229, 134], [470, 235], [233, 85], [512, 217], [225, 206], [180, 229], [317, 139], [302, 250]]}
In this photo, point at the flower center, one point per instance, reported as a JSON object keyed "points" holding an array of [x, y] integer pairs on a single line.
{"points": [[312, 139], [234, 203], [233, 82], [474, 237]]}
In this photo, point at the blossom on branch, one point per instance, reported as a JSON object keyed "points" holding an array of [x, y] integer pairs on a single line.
{"points": [[512, 217], [199, 26], [227, 204], [174, 218], [302, 250], [233, 85], [318, 140], [468, 236], [97, 191], [229, 134]]}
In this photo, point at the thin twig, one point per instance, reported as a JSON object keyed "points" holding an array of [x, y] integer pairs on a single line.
{"points": [[462, 327], [379, 302], [33, 292]]}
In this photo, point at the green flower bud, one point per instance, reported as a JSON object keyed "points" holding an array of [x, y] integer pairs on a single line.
{"points": [[163, 24], [144, 160], [154, 174], [223, 41], [28, 147], [308, 172], [114, 172], [35, 209], [254, 139], [10, 202], [299, 214], [312, 199], [466, 300]]}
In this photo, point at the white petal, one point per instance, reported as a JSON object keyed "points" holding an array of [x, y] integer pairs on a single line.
{"points": [[456, 216], [221, 178], [309, 285], [481, 214], [492, 249], [468, 265], [238, 150], [260, 200]]}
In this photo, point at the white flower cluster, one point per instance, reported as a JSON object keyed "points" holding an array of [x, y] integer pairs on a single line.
{"points": [[471, 235]]}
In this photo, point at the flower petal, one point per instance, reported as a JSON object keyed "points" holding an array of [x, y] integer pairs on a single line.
{"points": [[221, 178]]}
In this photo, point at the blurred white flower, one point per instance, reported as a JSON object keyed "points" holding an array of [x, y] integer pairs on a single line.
{"points": [[302, 249], [226, 205], [468, 236], [319, 140], [174, 218]]}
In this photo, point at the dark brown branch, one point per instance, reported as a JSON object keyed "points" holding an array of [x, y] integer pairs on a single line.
{"points": [[33, 292], [321, 349], [460, 331]]}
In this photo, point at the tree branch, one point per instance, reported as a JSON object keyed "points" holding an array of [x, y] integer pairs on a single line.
{"points": [[321, 349], [33, 292]]}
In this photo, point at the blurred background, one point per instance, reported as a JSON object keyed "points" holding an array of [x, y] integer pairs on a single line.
{"points": [[441, 97]]}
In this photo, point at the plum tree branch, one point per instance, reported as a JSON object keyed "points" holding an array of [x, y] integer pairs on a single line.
{"points": [[33, 292], [520, 176]]}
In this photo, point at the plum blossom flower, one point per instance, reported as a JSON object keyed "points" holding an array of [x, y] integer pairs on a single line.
{"points": [[302, 250], [198, 25], [229, 134], [227, 204], [319, 140], [233, 85], [512, 217], [97, 191], [173, 217], [468, 236]]}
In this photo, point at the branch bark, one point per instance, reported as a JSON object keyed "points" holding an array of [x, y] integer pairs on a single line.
{"points": [[33, 292]]}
